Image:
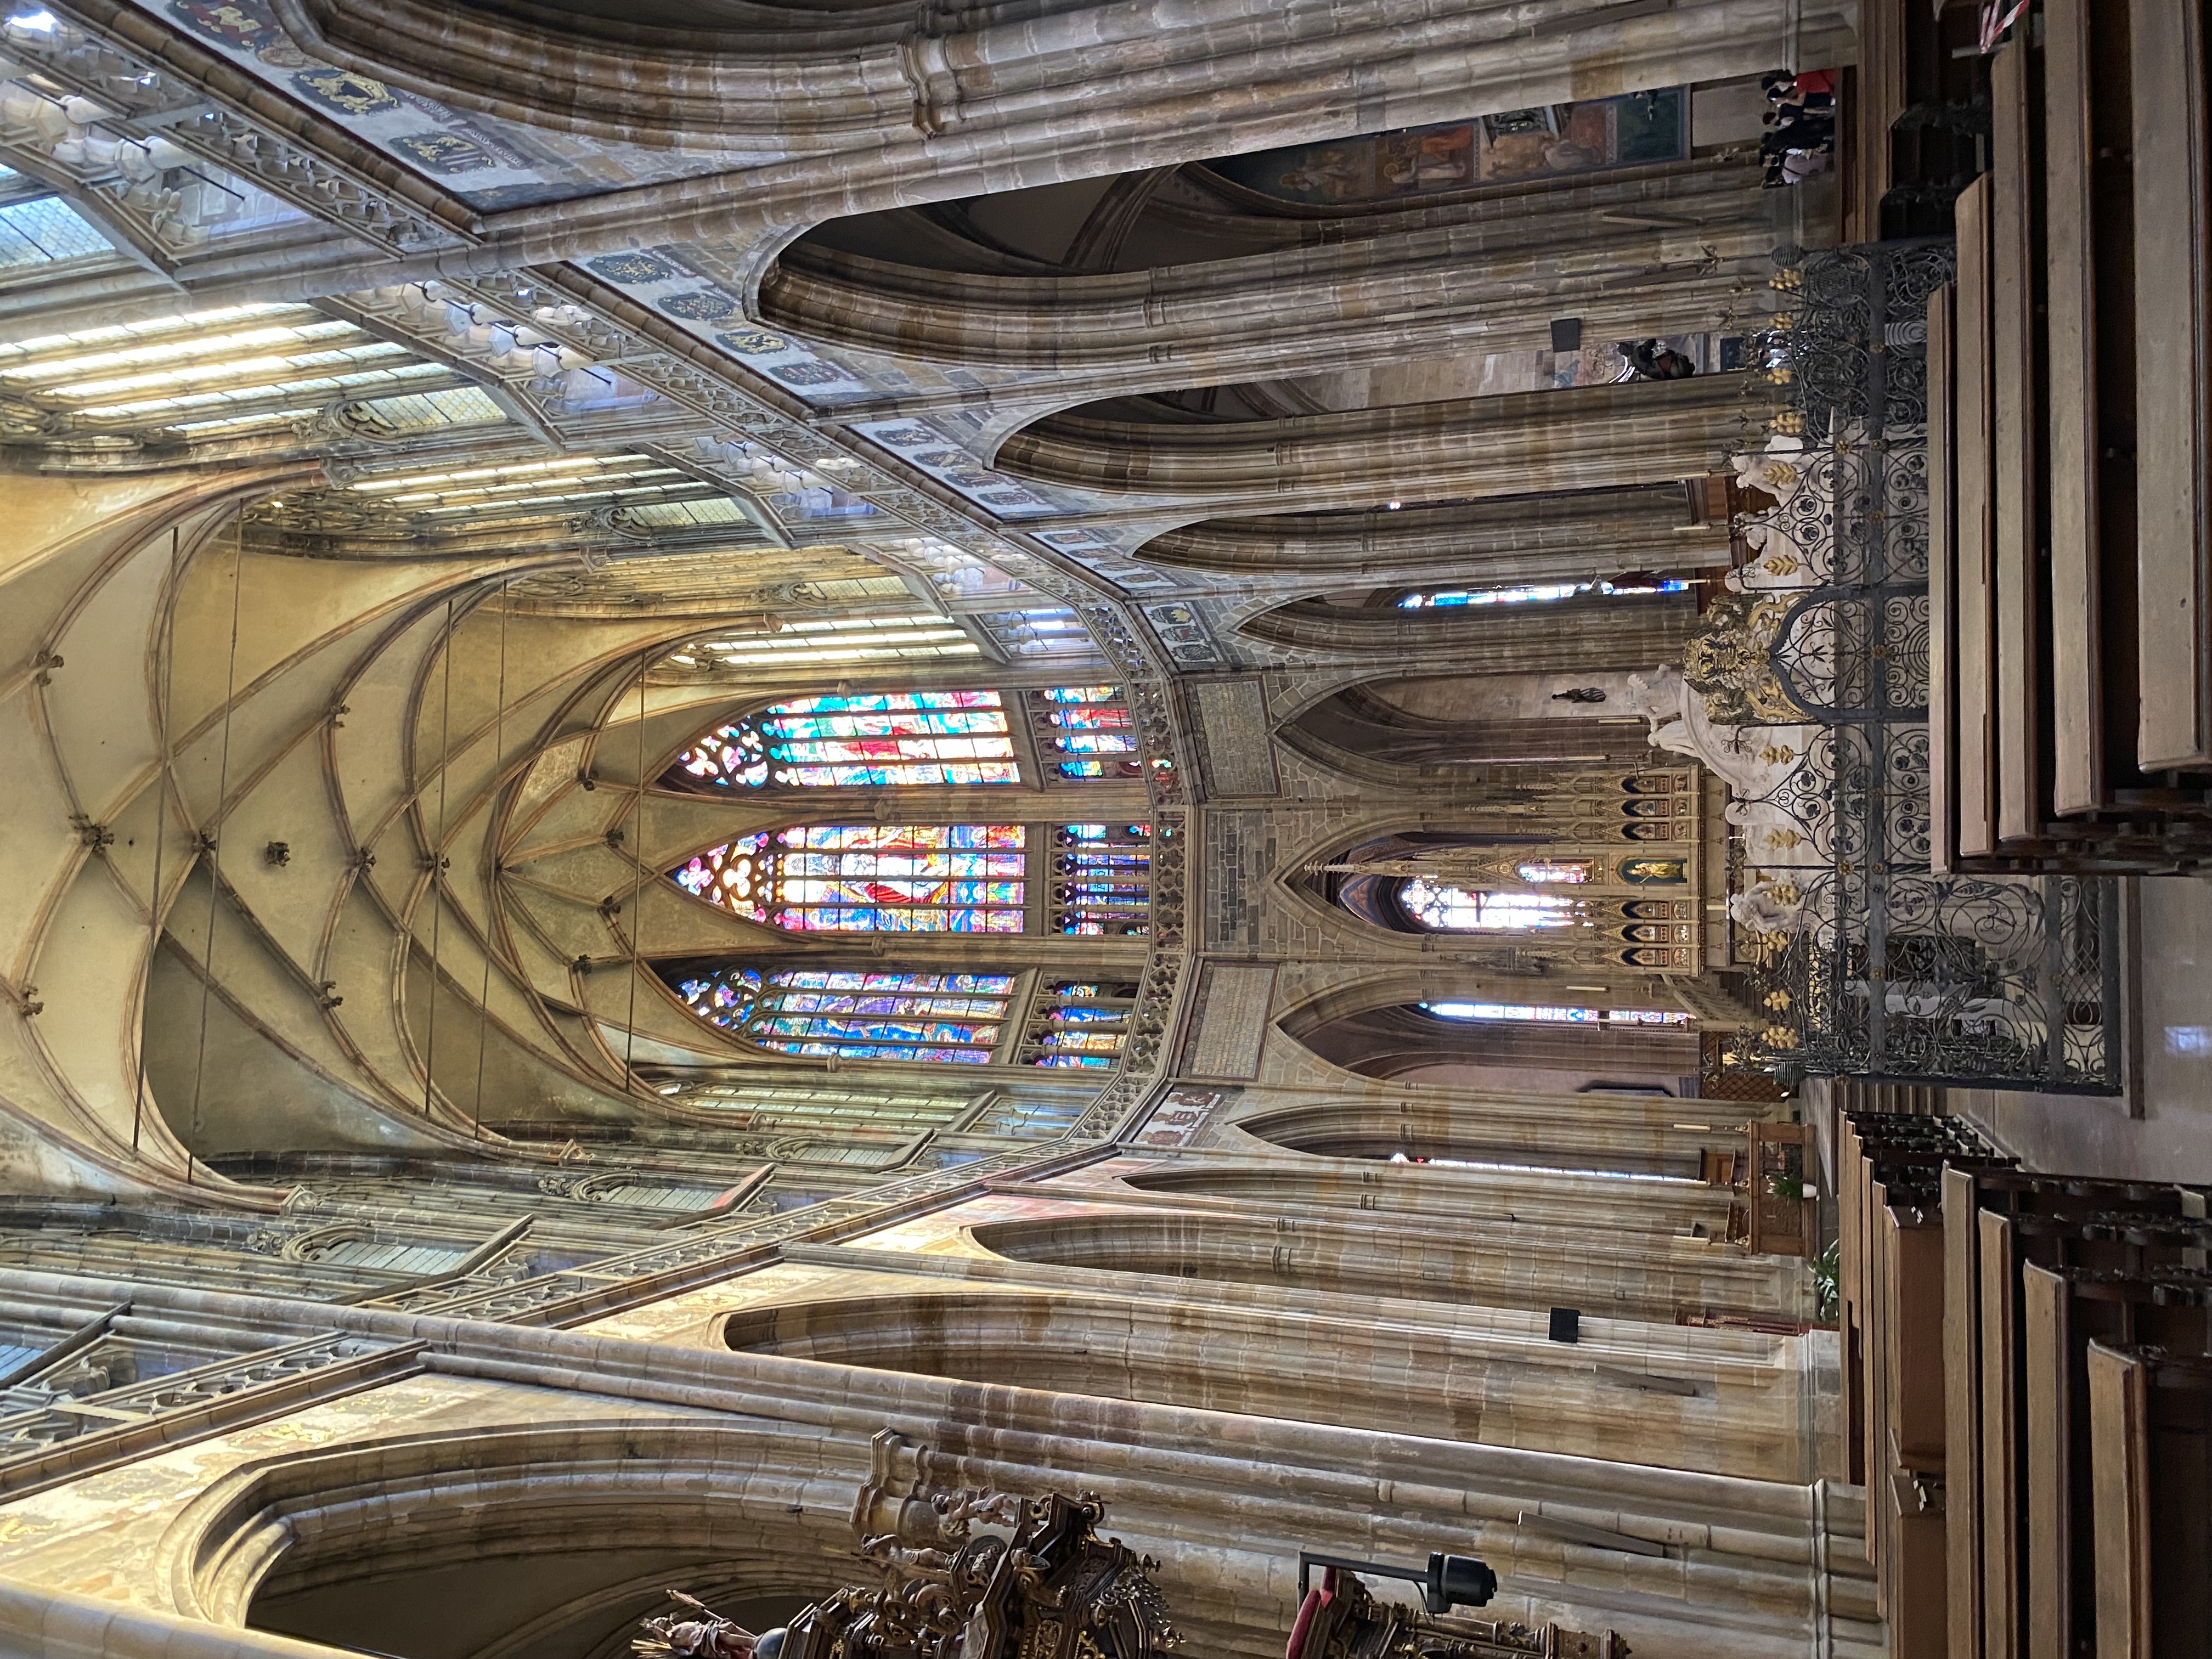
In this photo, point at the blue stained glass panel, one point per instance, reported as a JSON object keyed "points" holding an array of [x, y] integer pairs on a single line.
{"points": [[1079, 1023], [858, 1014], [873, 741]]}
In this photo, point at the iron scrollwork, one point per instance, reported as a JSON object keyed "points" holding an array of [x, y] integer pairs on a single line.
{"points": [[1867, 963]]}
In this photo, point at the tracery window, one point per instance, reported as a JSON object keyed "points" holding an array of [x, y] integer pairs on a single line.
{"points": [[1560, 869], [1445, 909], [889, 739], [1548, 1014], [1079, 1023], [872, 741], [856, 1014], [1087, 732], [1102, 880], [870, 877], [1531, 592]]}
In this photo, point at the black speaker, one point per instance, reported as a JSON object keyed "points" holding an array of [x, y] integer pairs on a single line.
{"points": [[1566, 334], [1566, 1325]]}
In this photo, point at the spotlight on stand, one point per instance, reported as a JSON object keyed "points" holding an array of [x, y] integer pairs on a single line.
{"points": [[1452, 1581]]}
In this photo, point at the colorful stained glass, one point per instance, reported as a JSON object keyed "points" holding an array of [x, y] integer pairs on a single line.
{"points": [[1540, 1014], [1444, 908], [1531, 593], [1102, 880], [1088, 728], [857, 1013], [870, 741], [870, 879], [1079, 1023]]}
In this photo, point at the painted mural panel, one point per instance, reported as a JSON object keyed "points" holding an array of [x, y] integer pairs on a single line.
{"points": [[1547, 141]]}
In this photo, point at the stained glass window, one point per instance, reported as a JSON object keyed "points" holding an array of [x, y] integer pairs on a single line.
{"points": [[871, 741], [1079, 1023], [1509, 1010], [857, 1013], [1566, 870], [1448, 909], [869, 878], [1085, 731], [1532, 593], [1101, 878]]}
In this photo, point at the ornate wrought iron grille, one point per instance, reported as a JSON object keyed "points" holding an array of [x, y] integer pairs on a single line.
{"points": [[1888, 971]]}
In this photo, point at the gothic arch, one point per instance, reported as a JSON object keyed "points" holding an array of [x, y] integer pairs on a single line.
{"points": [[1434, 1194], [1181, 277], [386, 1509], [1353, 1259], [1594, 632], [1357, 729], [1463, 1375], [1610, 1135], [1517, 444], [1554, 536], [1406, 1040], [1378, 1028]]}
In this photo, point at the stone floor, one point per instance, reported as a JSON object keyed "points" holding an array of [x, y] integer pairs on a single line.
{"points": [[2163, 1127]]}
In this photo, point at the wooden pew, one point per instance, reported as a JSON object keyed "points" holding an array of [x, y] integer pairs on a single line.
{"points": [[2071, 564], [1942, 579], [2063, 1309], [1971, 483], [1962, 1410], [1999, 1223], [2150, 1434], [1913, 1570], [2173, 319], [2089, 238], [2017, 283]]}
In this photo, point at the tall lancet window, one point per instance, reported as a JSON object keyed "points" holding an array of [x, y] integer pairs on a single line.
{"points": [[1086, 731], [874, 740], [1439, 907], [1446, 598], [1101, 878], [857, 1013], [870, 877]]}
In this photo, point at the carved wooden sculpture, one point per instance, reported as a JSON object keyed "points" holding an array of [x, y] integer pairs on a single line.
{"points": [[1056, 1591]]}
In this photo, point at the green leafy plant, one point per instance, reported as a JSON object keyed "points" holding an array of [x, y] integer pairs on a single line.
{"points": [[1788, 1184], [1827, 1294]]}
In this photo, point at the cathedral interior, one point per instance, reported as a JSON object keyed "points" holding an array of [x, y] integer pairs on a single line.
{"points": [[791, 768]]}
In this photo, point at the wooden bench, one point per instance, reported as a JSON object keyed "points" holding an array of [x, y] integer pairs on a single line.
{"points": [[2150, 1434], [2063, 1309], [2173, 180], [2070, 657], [1999, 1225]]}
